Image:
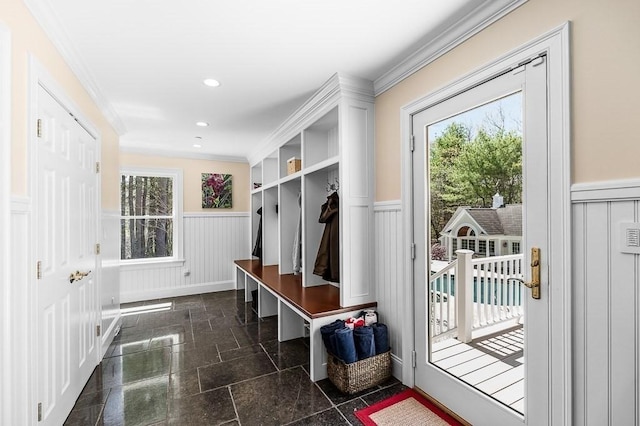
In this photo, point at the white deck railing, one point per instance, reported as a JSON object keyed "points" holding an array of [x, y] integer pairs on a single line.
{"points": [[469, 294]]}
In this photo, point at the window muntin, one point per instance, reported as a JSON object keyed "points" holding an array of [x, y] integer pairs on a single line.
{"points": [[149, 215], [467, 235], [515, 247]]}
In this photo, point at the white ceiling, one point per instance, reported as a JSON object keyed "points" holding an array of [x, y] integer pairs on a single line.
{"points": [[146, 59]]}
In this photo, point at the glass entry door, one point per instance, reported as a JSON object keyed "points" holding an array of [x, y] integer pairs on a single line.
{"points": [[479, 206]]}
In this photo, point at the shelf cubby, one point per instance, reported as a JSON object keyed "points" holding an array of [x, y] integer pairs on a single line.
{"points": [[256, 176], [315, 195], [291, 149], [321, 139], [270, 235], [290, 215], [270, 169], [256, 204]]}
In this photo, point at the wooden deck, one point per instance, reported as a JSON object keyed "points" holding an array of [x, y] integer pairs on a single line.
{"points": [[493, 364]]}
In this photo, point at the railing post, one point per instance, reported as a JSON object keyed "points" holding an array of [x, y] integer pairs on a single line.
{"points": [[464, 295]]}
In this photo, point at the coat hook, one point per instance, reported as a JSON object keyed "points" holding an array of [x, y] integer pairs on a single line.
{"points": [[331, 187]]}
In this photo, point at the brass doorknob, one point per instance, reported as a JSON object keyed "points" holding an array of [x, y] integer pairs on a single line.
{"points": [[77, 276]]}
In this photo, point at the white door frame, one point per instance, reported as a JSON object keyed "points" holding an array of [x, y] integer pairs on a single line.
{"points": [[556, 44], [39, 76], [5, 225]]}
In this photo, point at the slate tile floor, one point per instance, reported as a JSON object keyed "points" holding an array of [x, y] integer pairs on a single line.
{"points": [[209, 360]]}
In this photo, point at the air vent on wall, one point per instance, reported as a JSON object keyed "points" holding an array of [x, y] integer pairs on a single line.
{"points": [[630, 237]]}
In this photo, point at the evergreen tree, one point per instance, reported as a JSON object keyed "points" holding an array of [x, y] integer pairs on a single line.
{"points": [[444, 153], [490, 163], [468, 172]]}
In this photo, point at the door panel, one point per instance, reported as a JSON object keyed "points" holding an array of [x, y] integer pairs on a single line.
{"points": [[66, 233], [536, 158], [471, 403]]}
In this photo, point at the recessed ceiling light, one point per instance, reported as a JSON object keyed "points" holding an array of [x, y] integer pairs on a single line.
{"points": [[211, 82], [197, 145], [202, 124]]}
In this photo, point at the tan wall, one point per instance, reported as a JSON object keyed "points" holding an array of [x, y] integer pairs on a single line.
{"points": [[605, 64], [28, 38], [192, 170]]}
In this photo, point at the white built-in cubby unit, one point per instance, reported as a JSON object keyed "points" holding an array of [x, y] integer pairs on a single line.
{"points": [[332, 134]]}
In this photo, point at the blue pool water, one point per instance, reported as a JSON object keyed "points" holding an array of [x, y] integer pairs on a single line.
{"points": [[501, 294]]}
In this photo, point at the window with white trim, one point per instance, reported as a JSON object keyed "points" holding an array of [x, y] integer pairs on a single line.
{"points": [[515, 247], [150, 215], [482, 247], [467, 237]]}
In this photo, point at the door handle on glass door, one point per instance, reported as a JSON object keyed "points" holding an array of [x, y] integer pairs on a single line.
{"points": [[534, 285]]}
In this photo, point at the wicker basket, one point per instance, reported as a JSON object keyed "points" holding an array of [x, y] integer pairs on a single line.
{"points": [[359, 375]]}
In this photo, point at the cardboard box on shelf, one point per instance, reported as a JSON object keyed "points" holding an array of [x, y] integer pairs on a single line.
{"points": [[293, 165]]}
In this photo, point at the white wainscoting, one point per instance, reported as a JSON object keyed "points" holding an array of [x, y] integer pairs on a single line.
{"points": [[212, 241], [20, 297], [109, 275], [390, 275], [606, 306]]}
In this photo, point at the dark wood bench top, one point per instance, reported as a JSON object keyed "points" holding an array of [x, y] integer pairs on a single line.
{"points": [[315, 302]]}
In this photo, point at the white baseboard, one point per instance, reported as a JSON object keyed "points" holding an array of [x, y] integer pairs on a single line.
{"points": [[162, 293], [109, 334], [396, 367]]}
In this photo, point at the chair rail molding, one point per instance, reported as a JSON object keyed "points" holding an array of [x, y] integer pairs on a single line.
{"points": [[606, 190], [216, 214], [390, 205]]}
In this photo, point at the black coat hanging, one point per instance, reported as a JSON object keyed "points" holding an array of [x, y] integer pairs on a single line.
{"points": [[257, 248]]}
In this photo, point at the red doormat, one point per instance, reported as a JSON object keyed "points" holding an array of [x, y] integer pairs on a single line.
{"points": [[406, 408]]}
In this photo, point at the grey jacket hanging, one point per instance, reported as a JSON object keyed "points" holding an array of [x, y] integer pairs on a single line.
{"points": [[328, 259]]}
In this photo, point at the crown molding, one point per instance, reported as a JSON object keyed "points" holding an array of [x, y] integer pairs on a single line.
{"points": [[325, 98], [45, 15], [215, 214], [485, 14], [154, 152]]}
